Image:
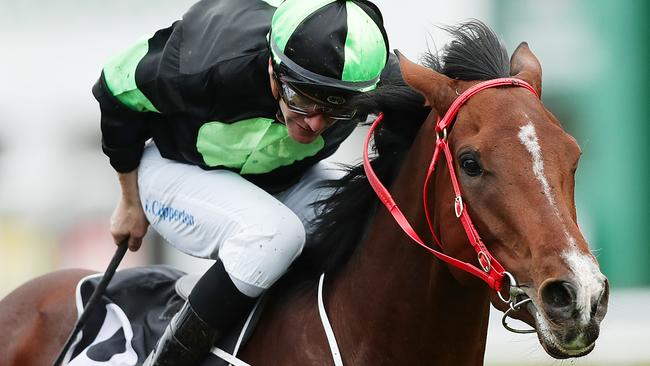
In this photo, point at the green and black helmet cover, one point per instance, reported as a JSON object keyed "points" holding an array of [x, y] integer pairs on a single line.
{"points": [[329, 47]]}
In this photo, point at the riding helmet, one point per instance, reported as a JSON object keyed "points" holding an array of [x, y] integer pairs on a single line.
{"points": [[329, 48]]}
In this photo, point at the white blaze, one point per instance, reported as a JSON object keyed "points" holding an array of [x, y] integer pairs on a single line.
{"points": [[589, 280], [528, 137], [586, 272]]}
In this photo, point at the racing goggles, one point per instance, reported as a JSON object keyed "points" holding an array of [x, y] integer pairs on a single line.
{"points": [[300, 103]]}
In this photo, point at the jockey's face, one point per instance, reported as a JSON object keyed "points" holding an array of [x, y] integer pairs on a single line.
{"points": [[303, 128], [305, 117]]}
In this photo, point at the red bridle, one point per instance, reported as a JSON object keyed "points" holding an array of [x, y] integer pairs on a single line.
{"points": [[490, 271]]}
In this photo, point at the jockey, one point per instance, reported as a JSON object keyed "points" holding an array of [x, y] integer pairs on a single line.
{"points": [[217, 127]]}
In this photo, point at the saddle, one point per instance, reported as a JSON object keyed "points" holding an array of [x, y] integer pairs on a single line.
{"points": [[133, 313]]}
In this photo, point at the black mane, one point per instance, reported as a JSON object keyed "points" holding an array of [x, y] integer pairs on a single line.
{"points": [[474, 54]]}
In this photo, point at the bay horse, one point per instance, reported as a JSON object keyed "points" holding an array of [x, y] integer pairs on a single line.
{"points": [[389, 301]]}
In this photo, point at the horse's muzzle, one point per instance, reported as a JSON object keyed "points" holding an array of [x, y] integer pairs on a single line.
{"points": [[568, 320]]}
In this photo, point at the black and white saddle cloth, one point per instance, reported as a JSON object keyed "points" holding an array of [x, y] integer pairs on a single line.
{"points": [[133, 313]]}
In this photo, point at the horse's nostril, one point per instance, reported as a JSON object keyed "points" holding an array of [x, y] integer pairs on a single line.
{"points": [[599, 307], [559, 298], [594, 307]]}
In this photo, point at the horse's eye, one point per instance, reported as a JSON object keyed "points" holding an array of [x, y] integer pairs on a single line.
{"points": [[471, 166]]}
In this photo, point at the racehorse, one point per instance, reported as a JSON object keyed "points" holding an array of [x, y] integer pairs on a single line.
{"points": [[389, 301]]}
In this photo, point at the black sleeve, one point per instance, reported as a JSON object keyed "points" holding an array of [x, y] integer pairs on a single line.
{"points": [[124, 131]]}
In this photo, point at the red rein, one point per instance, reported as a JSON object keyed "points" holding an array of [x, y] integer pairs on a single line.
{"points": [[490, 271]]}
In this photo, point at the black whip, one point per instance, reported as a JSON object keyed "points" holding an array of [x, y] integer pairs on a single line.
{"points": [[94, 299]]}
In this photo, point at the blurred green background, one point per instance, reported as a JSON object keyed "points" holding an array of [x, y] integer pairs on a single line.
{"points": [[57, 190], [607, 111]]}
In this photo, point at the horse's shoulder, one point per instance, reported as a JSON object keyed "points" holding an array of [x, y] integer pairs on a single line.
{"points": [[39, 312]]}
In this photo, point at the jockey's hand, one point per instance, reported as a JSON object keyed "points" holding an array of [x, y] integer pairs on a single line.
{"points": [[128, 220]]}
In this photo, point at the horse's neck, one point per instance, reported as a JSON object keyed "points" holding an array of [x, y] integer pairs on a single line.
{"points": [[396, 304]]}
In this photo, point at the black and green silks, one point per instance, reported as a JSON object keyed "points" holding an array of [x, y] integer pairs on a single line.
{"points": [[200, 89]]}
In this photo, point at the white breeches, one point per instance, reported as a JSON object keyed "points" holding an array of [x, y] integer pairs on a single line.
{"points": [[218, 214]]}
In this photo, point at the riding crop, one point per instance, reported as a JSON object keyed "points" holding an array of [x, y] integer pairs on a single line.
{"points": [[94, 299]]}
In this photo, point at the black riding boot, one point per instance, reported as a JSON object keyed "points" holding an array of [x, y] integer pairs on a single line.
{"points": [[186, 340], [214, 305]]}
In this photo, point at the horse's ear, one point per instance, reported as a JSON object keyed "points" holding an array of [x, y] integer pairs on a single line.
{"points": [[524, 65], [436, 88]]}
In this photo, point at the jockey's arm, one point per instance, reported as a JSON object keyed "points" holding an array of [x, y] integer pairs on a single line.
{"points": [[126, 113], [128, 220]]}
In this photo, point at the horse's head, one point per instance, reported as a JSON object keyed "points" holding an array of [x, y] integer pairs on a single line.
{"points": [[516, 165]]}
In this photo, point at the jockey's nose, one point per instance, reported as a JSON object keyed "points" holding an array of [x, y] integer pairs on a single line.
{"points": [[317, 122]]}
